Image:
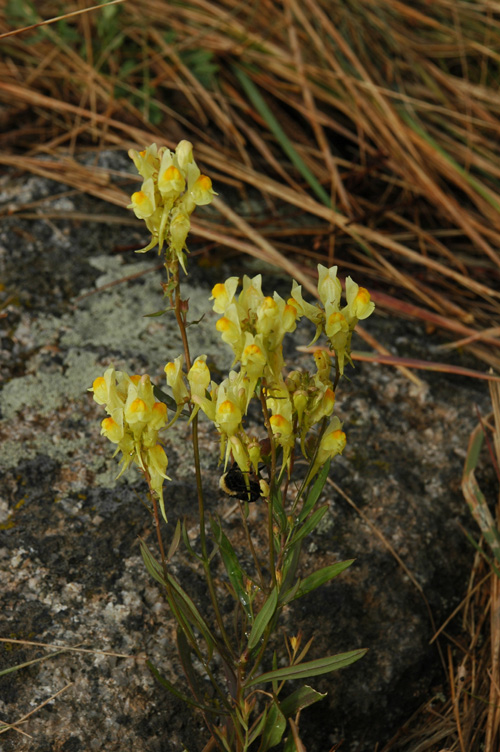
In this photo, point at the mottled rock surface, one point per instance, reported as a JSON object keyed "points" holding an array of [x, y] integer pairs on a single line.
{"points": [[70, 564]]}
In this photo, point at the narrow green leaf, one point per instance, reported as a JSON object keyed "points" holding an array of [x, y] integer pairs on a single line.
{"points": [[157, 313], [260, 105], [290, 745], [256, 730], [191, 612], [169, 401], [309, 526], [274, 728], [316, 579], [286, 596], [475, 498], [263, 618], [301, 698], [184, 651], [311, 668], [19, 666], [290, 564], [187, 542], [234, 571], [275, 666], [151, 564], [279, 513], [315, 492], [180, 695], [182, 599], [175, 541]]}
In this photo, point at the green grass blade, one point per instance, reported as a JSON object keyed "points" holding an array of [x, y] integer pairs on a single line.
{"points": [[258, 102]]}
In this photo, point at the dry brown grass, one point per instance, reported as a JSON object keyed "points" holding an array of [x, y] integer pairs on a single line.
{"points": [[374, 121]]}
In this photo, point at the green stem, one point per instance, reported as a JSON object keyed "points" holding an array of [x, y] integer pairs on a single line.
{"points": [[171, 597], [272, 479], [252, 548], [181, 323]]}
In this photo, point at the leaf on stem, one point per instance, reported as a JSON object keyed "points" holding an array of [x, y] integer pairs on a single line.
{"points": [[289, 570], [180, 695], [234, 571], [182, 599], [279, 513], [274, 727], [301, 698], [311, 668], [314, 493], [175, 541], [309, 526], [263, 618], [316, 579]]}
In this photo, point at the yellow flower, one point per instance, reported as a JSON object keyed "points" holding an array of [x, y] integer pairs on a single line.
{"points": [[170, 181], [202, 191], [332, 443], [156, 462], [112, 430], [199, 381], [143, 201], [359, 303], [175, 380], [223, 294], [228, 417], [329, 287]]}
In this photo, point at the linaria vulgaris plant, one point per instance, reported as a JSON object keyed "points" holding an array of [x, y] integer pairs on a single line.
{"points": [[248, 707]]}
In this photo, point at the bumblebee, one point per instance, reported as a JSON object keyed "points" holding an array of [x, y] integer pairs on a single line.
{"points": [[239, 485]]}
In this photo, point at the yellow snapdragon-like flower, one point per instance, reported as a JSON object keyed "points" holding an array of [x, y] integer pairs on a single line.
{"points": [[144, 201], [175, 381], [359, 303], [223, 294], [329, 287], [199, 381], [332, 443]]}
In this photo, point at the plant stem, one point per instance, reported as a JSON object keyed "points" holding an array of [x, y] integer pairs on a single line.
{"points": [[272, 478], [180, 316], [252, 548]]}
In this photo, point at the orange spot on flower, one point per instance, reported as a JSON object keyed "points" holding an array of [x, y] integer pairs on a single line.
{"points": [[226, 408], [139, 197], [204, 183], [160, 408], [363, 296], [218, 290], [137, 406], [171, 173], [223, 324]]}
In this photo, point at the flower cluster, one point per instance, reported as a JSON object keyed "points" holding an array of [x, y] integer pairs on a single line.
{"points": [[337, 323], [172, 187], [254, 326], [135, 418]]}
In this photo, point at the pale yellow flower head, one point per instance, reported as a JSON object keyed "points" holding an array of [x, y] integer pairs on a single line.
{"points": [[172, 188], [332, 443]]}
